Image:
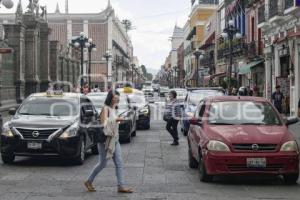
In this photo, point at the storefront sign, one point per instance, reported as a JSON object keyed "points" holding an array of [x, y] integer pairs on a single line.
{"points": [[5, 50]]}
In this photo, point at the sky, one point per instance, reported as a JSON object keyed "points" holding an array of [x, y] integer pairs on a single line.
{"points": [[154, 21]]}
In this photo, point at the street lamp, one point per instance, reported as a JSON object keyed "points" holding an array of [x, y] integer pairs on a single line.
{"points": [[132, 72], [198, 55], [107, 56], [230, 32], [7, 3], [81, 42], [91, 47]]}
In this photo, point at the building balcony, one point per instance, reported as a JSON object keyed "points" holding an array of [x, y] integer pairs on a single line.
{"points": [[239, 48], [290, 7]]}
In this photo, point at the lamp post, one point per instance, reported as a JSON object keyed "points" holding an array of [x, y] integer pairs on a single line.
{"points": [[198, 55], [230, 32], [81, 42], [132, 73], [107, 56], [91, 47]]}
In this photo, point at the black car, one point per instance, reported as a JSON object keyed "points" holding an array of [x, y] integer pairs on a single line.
{"points": [[138, 100], [50, 124], [127, 128]]}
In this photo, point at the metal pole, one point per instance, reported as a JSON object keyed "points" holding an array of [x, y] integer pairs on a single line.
{"points": [[107, 69], [197, 71], [230, 60], [81, 80], [90, 65]]}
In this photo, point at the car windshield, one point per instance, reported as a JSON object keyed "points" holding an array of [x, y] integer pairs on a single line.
{"points": [[164, 88], [50, 106], [137, 99], [242, 113], [98, 101], [181, 92], [197, 95], [123, 104]]}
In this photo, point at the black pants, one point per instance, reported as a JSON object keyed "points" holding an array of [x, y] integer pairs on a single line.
{"points": [[172, 128]]}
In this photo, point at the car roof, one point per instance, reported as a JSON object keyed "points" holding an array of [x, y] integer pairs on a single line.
{"points": [[97, 94], [205, 88], [64, 95], [134, 91], [236, 98]]}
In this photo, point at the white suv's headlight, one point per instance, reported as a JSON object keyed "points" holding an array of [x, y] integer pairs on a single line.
{"points": [[214, 145], [6, 131], [71, 131], [290, 146]]}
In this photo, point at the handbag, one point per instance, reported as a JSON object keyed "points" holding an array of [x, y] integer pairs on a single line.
{"points": [[98, 133]]}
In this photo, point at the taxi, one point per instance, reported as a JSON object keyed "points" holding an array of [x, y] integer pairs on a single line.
{"points": [[50, 124], [242, 136]]}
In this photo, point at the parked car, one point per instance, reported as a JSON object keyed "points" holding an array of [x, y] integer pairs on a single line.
{"points": [[127, 128], [50, 124], [98, 99], [241, 135], [194, 96], [138, 100], [164, 91]]}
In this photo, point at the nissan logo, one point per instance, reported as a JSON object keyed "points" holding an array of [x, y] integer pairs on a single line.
{"points": [[35, 134], [255, 147]]}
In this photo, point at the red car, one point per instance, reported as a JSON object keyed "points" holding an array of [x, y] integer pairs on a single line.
{"points": [[241, 135]]}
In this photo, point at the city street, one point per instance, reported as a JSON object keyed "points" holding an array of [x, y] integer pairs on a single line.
{"points": [[156, 171]]}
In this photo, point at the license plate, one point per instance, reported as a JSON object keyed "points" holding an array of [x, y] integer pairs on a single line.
{"points": [[34, 145], [256, 162]]}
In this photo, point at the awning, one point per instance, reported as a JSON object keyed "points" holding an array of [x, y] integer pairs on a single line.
{"points": [[245, 69], [191, 34]]}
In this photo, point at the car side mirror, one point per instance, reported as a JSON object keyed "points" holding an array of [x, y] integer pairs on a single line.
{"points": [[291, 121], [196, 122], [12, 111], [89, 113]]}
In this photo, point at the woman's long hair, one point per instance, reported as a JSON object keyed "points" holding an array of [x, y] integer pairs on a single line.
{"points": [[110, 96]]}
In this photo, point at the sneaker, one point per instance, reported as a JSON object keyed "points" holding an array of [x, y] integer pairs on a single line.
{"points": [[175, 144], [125, 190], [89, 187]]}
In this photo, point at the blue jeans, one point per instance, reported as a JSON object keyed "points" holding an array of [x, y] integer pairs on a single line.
{"points": [[117, 158]]}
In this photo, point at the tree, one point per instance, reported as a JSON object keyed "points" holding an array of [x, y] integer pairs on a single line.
{"points": [[149, 77], [144, 70]]}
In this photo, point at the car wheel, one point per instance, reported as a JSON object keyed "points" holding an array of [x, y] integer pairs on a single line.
{"points": [[193, 163], [95, 150], [8, 158], [204, 177], [79, 160], [291, 178]]}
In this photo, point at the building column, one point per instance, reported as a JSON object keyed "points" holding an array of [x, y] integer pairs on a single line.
{"points": [[44, 57], [15, 33], [54, 61], [31, 58], [294, 103]]}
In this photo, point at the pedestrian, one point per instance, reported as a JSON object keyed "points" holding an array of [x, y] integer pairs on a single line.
{"points": [[277, 98], [173, 112], [111, 149], [86, 89]]}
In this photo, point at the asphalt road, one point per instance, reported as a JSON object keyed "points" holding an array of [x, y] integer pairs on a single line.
{"points": [[156, 171]]}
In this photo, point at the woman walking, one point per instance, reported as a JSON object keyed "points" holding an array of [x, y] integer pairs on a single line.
{"points": [[111, 148]]}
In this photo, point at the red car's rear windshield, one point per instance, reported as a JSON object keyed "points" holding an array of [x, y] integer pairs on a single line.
{"points": [[242, 113]]}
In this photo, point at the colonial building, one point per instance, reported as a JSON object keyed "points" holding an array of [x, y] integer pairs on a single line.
{"points": [[200, 13], [280, 24], [107, 32]]}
